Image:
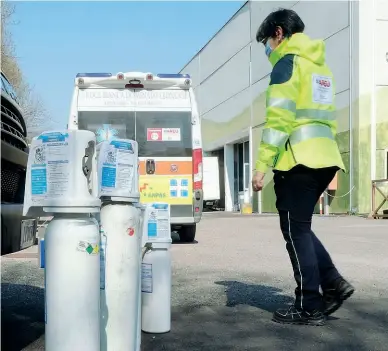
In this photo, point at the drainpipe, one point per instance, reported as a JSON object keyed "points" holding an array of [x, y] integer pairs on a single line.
{"points": [[373, 141], [351, 179], [250, 126]]}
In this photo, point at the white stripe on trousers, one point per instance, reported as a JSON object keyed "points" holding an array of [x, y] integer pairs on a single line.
{"points": [[297, 260]]}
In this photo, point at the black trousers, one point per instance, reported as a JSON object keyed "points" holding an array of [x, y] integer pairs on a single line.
{"points": [[297, 192]]}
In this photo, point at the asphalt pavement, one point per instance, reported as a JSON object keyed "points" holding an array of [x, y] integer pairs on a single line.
{"points": [[226, 286]]}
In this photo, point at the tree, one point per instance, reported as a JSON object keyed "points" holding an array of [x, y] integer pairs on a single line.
{"points": [[32, 105], [9, 63]]}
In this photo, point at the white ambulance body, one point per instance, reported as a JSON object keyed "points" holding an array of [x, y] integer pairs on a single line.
{"points": [[160, 113]]}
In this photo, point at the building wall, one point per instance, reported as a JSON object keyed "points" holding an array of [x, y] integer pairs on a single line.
{"points": [[381, 74], [231, 75]]}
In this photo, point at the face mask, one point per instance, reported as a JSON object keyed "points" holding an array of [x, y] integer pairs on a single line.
{"points": [[268, 49]]}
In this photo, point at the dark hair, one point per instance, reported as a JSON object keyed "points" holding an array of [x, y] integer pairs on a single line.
{"points": [[286, 19]]}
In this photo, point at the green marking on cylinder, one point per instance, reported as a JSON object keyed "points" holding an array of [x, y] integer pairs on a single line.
{"points": [[89, 249]]}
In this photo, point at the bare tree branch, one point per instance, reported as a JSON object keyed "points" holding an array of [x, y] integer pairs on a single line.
{"points": [[33, 107], [34, 111], [9, 63]]}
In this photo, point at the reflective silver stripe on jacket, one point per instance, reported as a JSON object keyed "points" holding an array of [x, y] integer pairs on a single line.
{"points": [[315, 114], [310, 131], [278, 139], [284, 104], [289, 105], [274, 137]]}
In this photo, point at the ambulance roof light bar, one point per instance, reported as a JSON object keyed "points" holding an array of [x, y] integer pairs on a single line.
{"points": [[94, 75], [172, 75], [149, 76]]}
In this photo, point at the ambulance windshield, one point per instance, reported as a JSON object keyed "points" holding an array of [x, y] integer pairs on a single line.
{"points": [[159, 133]]}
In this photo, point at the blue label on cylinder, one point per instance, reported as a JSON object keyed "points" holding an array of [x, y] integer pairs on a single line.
{"points": [[42, 254], [52, 137], [152, 229], [108, 177], [160, 206], [38, 181], [123, 145]]}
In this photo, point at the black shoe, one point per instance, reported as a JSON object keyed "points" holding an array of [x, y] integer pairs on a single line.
{"points": [[335, 296], [294, 315]]}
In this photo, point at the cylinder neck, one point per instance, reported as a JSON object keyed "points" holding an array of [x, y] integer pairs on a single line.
{"points": [[72, 215]]}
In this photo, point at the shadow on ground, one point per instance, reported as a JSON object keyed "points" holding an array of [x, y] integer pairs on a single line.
{"points": [[176, 240], [242, 324], [22, 315], [245, 324]]}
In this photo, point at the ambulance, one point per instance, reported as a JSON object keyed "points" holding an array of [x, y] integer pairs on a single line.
{"points": [[159, 111]]}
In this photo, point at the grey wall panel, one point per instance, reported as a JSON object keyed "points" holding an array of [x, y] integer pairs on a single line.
{"points": [[337, 57], [381, 56], [198, 97], [230, 40], [258, 91], [342, 106], [323, 18], [229, 80], [382, 9], [261, 9], [227, 122], [230, 108], [260, 64], [192, 68]]}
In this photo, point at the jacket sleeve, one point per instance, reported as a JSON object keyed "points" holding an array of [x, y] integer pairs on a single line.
{"points": [[282, 95]]}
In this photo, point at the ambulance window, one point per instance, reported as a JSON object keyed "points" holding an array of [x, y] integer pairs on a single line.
{"points": [[164, 133], [108, 124]]}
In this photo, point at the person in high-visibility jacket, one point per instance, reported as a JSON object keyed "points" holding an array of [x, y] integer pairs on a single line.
{"points": [[298, 142]]}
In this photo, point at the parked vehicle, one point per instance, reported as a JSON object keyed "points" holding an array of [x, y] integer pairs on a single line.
{"points": [[17, 232], [211, 182]]}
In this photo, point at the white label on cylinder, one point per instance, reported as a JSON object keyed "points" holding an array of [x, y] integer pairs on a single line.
{"points": [[50, 166], [158, 225], [146, 278], [118, 166], [103, 244]]}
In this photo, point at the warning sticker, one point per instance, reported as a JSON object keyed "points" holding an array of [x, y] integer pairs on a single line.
{"points": [[322, 89], [146, 278], [90, 248], [154, 134], [171, 134], [163, 134]]}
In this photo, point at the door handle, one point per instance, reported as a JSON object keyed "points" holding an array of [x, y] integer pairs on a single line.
{"points": [[150, 166]]}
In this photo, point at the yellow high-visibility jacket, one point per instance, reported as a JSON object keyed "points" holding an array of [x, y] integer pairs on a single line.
{"points": [[300, 112]]}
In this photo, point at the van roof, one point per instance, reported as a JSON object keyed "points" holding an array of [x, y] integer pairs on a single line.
{"points": [[133, 80]]}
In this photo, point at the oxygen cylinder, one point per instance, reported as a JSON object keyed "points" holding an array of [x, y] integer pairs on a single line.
{"points": [[59, 182], [156, 270], [120, 296], [72, 283]]}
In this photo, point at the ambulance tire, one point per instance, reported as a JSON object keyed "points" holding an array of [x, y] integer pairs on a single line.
{"points": [[187, 233]]}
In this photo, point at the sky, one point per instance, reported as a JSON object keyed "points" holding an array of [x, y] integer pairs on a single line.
{"points": [[56, 40]]}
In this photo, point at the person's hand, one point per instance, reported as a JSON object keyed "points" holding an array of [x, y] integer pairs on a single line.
{"points": [[258, 181]]}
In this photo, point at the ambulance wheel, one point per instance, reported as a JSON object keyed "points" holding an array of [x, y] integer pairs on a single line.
{"points": [[187, 233]]}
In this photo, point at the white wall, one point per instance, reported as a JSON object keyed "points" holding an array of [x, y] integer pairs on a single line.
{"points": [[231, 73], [381, 58], [228, 80], [381, 9], [229, 41]]}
